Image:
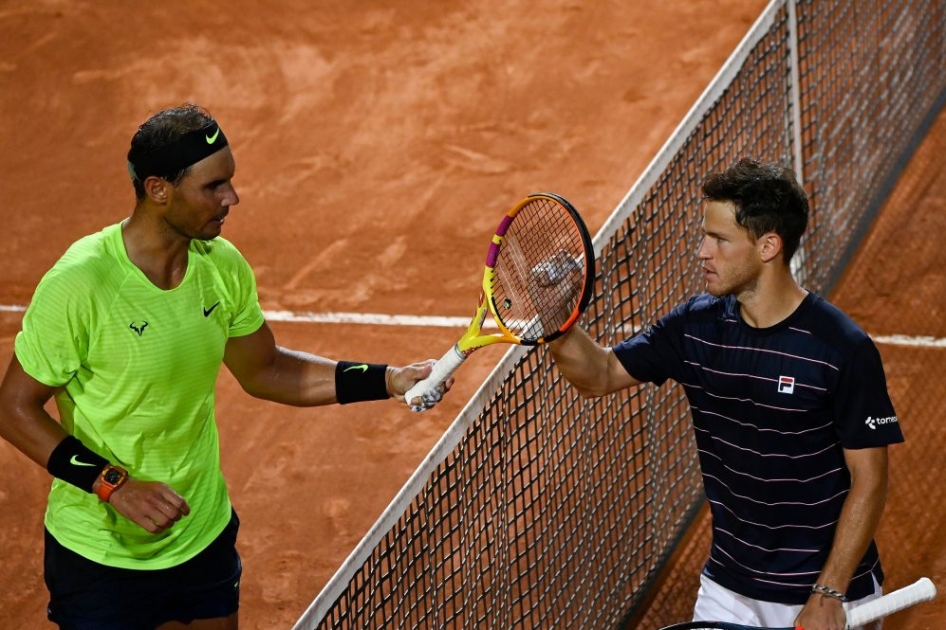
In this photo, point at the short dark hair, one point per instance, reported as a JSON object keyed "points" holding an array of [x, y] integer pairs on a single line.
{"points": [[163, 129], [768, 198]]}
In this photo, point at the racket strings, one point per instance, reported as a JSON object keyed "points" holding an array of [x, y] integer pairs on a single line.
{"points": [[539, 271]]}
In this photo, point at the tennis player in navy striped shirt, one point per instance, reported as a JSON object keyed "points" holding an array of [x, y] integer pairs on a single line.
{"points": [[790, 408]]}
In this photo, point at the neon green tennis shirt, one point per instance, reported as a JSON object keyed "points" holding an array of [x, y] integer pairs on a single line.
{"points": [[137, 367]]}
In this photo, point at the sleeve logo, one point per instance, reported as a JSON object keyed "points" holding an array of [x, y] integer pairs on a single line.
{"points": [[873, 423]]}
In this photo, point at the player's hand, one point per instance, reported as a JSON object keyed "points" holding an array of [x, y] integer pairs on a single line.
{"points": [[150, 504], [555, 270], [555, 284], [822, 613], [400, 380]]}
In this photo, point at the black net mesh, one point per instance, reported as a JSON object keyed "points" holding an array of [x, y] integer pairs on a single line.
{"points": [[551, 511]]}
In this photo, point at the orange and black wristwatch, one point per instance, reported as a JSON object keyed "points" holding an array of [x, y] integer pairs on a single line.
{"points": [[111, 479]]}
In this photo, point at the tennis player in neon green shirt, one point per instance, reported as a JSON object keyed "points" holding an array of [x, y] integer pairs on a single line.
{"points": [[128, 332]]}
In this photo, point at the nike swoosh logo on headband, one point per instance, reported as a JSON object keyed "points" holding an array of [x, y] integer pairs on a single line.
{"points": [[213, 138]]}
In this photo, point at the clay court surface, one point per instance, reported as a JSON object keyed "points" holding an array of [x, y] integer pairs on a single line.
{"points": [[377, 144]]}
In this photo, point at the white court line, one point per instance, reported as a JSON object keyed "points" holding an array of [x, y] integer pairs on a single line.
{"points": [[904, 340], [373, 319], [426, 321]]}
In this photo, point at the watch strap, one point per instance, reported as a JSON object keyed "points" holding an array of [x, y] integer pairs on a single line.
{"points": [[110, 480]]}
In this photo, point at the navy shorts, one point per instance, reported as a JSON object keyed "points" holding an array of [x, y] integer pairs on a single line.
{"points": [[85, 595]]}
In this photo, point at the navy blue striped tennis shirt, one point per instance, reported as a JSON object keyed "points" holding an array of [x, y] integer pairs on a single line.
{"points": [[772, 410]]}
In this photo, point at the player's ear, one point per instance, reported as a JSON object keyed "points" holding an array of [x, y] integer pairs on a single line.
{"points": [[769, 245], [157, 189]]}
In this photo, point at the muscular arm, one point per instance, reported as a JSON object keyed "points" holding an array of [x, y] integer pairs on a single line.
{"points": [[593, 370], [24, 422], [265, 370], [857, 525]]}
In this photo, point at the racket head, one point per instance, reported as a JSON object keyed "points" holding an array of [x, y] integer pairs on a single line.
{"points": [[540, 269]]}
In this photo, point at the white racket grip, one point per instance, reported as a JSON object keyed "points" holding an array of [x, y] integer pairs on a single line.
{"points": [[923, 590], [429, 388]]}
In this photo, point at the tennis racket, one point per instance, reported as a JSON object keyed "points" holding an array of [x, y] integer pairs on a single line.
{"points": [[923, 590], [538, 280]]}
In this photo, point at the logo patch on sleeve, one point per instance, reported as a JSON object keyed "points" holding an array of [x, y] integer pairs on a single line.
{"points": [[786, 384], [873, 423]]}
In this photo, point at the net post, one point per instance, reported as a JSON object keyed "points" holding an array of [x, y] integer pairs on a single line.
{"points": [[798, 260]]}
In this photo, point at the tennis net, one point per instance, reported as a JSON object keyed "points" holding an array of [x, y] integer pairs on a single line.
{"points": [[540, 509]]}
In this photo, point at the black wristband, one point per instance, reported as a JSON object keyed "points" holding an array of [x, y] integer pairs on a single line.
{"points": [[72, 462], [355, 382]]}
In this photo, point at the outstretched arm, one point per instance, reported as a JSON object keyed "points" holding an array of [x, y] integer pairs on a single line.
{"points": [[592, 369], [265, 370]]}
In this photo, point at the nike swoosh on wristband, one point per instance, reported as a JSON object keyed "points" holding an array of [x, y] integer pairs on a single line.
{"points": [[213, 138], [76, 462], [362, 367]]}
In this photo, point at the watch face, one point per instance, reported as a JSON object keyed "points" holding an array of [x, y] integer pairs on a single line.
{"points": [[112, 476]]}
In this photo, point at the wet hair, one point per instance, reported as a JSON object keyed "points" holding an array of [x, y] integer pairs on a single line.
{"points": [[767, 197], [170, 142]]}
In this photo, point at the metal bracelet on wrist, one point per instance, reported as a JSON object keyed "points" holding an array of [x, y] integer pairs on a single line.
{"points": [[827, 591]]}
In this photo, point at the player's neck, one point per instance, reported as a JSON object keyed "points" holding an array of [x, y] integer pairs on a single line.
{"points": [[772, 300], [157, 251]]}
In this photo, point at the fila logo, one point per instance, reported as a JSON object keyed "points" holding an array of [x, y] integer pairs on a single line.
{"points": [[138, 327], [873, 423], [786, 384]]}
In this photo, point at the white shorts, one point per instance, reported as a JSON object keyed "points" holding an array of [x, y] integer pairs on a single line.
{"points": [[715, 603]]}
